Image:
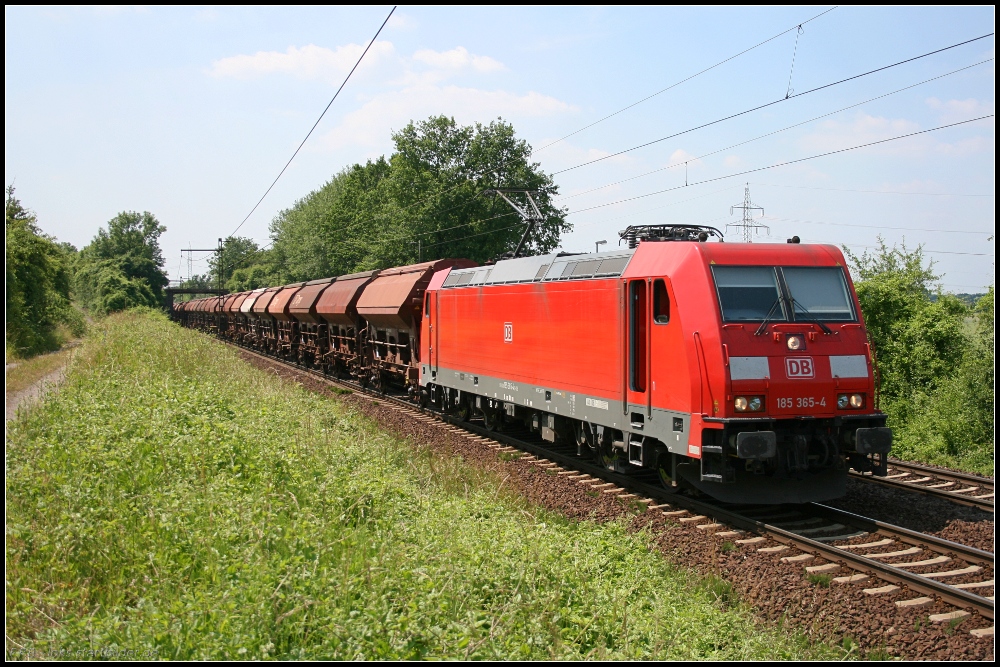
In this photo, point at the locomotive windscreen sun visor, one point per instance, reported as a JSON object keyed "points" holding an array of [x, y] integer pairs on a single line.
{"points": [[876, 440], [757, 445]]}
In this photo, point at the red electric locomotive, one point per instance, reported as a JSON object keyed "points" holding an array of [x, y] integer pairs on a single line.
{"points": [[743, 371]]}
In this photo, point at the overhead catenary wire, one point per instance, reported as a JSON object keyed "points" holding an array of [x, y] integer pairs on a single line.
{"points": [[308, 134], [438, 194], [457, 185], [685, 80], [768, 104], [878, 192], [537, 150], [565, 197], [781, 164], [768, 134], [922, 249], [867, 226]]}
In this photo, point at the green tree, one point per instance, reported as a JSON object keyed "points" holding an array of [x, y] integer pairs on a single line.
{"points": [[123, 266], [936, 374], [424, 202], [237, 252], [38, 283]]}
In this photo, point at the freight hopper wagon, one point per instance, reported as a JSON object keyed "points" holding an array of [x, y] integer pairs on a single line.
{"points": [[286, 329], [743, 371], [309, 327], [338, 338], [391, 306], [264, 334]]}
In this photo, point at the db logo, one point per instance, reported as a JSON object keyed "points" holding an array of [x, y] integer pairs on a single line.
{"points": [[799, 367], [508, 332]]}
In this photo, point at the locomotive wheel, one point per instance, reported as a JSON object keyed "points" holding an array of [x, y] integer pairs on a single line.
{"points": [[493, 419], [462, 412], [610, 457], [663, 468]]}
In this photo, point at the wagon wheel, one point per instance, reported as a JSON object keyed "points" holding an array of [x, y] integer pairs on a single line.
{"points": [[461, 412], [378, 380], [663, 471]]}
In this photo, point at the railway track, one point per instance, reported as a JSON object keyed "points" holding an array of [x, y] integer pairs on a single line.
{"points": [[847, 548], [955, 486]]}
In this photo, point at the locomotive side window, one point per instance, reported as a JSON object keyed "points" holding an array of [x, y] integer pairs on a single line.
{"points": [[637, 335], [661, 302], [748, 293], [818, 293]]}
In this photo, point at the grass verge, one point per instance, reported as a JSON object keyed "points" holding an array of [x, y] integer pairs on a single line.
{"points": [[172, 501]]}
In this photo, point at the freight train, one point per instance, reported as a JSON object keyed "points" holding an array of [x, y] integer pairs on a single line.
{"points": [[743, 372]]}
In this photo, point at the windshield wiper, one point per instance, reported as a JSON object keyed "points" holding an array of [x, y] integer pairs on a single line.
{"points": [[795, 304], [763, 325]]}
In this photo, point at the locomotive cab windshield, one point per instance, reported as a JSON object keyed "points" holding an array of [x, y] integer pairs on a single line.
{"points": [[783, 294]]}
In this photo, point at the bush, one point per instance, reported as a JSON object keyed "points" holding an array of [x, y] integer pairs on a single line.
{"points": [[37, 284], [936, 375]]}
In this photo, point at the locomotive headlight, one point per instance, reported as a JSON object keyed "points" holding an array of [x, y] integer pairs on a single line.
{"points": [[755, 404], [795, 342], [740, 404], [850, 401]]}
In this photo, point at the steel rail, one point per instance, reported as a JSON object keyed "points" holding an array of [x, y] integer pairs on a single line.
{"points": [[929, 542], [986, 504], [959, 598], [955, 475]]}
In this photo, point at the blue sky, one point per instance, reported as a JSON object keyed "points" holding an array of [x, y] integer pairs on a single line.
{"points": [[191, 112]]}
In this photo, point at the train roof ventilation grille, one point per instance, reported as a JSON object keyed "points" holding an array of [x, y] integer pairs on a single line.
{"points": [[541, 271], [613, 266], [587, 267], [458, 278]]}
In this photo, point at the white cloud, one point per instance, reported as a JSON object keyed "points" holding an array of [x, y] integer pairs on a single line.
{"points": [[953, 111], [835, 135], [457, 58], [410, 87], [369, 125], [307, 62], [400, 21], [680, 156]]}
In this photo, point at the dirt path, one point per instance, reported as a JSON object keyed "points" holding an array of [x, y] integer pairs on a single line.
{"points": [[27, 397]]}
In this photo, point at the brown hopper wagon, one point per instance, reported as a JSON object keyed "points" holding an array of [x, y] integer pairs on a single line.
{"points": [[312, 330], [264, 336], [337, 307], [391, 305], [286, 330]]}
